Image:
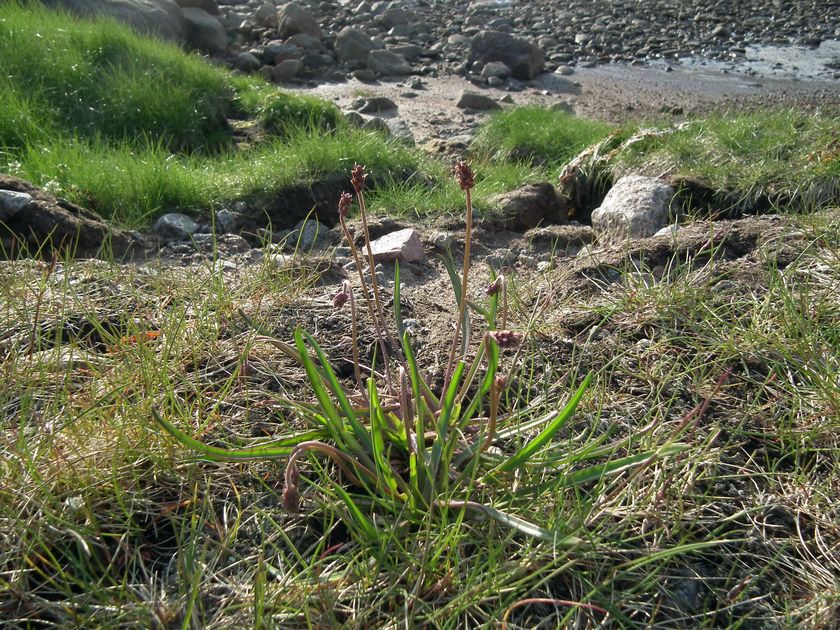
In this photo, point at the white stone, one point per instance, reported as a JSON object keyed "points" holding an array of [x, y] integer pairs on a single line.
{"points": [[635, 207], [404, 245], [11, 202]]}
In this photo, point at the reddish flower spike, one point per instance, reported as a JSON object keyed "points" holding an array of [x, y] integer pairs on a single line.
{"points": [[506, 338], [344, 202], [357, 177], [464, 175]]}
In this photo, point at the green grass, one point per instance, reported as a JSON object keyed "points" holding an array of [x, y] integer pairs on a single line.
{"points": [[545, 137], [783, 155], [132, 127]]}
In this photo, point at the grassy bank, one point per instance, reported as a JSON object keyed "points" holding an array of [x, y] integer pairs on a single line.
{"points": [[132, 127]]}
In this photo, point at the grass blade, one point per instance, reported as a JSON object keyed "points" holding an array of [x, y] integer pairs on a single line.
{"points": [[377, 422], [358, 518], [593, 473], [277, 448], [449, 411], [492, 349], [546, 434], [359, 439]]}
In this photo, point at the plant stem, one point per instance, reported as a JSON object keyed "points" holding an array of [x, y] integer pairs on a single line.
{"points": [[491, 423], [382, 326], [355, 342], [462, 310], [376, 320]]}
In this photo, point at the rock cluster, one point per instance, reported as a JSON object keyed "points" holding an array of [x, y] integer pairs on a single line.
{"points": [[488, 41]]}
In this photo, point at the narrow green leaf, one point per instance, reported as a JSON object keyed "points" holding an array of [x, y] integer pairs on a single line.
{"points": [[345, 439], [377, 421], [546, 434], [449, 264], [359, 520], [281, 447], [593, 473], [487, 383], [448, 412]]}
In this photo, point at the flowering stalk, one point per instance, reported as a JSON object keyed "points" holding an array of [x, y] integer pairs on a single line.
{"points": [[344, 202], [466, 179], [357, 178]]}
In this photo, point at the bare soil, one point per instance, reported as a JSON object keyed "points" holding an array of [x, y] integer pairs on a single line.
{"points": [[612, 93]]}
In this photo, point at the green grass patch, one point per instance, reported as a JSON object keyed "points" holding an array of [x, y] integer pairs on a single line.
{"points": [[132, 127], [778, 154], [539, 135]]}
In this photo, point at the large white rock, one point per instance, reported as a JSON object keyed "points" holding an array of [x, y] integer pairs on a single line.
{"points": [[11, 202], [635, 207]]}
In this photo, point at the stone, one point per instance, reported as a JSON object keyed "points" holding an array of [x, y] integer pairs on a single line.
{"points": [[500, 258], [175, 225], [210, 6], [266, 15], [204, 32], [668, 230], [529, 206], [306, 235], [442, 240], [387, 63], [354, 118], [276, 50], [377, 124], [280, 260], [162, 18], [54, 225], [227, 221], [293, 18], [410, 51], [11, 202], [286, 70], [393, 17], [635, 207], [373, 105], [400, 130], [471, 100], [365, 75], [246, 62], [403, 245], [495, 69], [352, 44], [524, 58], [306, 42]]}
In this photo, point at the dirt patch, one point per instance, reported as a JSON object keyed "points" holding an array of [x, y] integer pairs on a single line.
{"points": [[616, 94], [47, 224]]}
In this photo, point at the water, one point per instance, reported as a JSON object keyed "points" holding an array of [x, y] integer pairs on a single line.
{"points": [[777, 62]]}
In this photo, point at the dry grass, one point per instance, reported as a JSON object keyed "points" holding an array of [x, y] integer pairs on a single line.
{"points": [[106, 523]]}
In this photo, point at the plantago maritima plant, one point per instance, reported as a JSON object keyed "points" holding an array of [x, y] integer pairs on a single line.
{"points": [[407, 450]]}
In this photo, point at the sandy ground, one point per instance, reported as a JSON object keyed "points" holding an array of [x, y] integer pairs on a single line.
{"points": [[613, 93]]}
